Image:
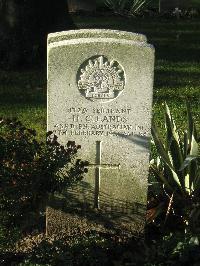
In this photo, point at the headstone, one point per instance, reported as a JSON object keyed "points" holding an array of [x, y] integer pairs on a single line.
{"points": [[100, 96]]}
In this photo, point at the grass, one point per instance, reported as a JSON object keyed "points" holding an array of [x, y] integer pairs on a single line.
{"points": [[177, 69], [23, 95]]}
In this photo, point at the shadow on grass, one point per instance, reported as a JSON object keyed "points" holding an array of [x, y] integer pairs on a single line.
{"points": [[176, 79]]}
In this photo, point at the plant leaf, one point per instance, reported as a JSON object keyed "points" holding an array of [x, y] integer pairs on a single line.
{"points": [[173, 145], [187, 183], [160, 177], [159, 145], [197, 182], [194, 147], [186, 144], [190, 123], [187, 162]]}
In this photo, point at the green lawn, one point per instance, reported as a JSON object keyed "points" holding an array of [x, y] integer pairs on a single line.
{"points": [[177, 71]]}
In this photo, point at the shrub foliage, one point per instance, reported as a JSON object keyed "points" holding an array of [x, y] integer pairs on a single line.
{"points": [[30, 171]]}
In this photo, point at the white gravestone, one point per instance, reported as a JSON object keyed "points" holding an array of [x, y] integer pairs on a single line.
{"points": [[100, 96]]}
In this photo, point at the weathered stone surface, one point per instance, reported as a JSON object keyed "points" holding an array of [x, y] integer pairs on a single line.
{"points": [[95, 33], [100, 95]]}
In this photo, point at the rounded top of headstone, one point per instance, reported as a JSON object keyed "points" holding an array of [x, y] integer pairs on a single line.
{"points": [[95, 33]]}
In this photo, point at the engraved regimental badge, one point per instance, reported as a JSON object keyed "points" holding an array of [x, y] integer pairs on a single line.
{"points": [[99, 79]]}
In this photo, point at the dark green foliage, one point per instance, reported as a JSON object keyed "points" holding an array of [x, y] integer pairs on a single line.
{"points": [[127, 7], [177, 171], [29, 171]]}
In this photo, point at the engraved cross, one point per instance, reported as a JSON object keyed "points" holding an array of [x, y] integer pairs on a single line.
{"points": [[98, 166]]}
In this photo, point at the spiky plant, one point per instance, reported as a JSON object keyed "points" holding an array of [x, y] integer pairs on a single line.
{"points": [[177, 171]]}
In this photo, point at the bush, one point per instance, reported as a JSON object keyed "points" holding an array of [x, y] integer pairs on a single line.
{"points": [[29, 172]]}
